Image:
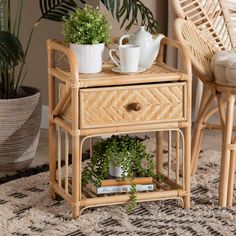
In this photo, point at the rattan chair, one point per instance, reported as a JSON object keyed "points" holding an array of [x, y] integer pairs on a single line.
{"points": [[215, 21], [201, 53]]}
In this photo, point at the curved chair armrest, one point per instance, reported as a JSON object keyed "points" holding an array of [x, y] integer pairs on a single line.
{"points": [[181, 48]]}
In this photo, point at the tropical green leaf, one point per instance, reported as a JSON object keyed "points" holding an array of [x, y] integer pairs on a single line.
{"points": [[11, 52], [56, 10], [129, 11]]}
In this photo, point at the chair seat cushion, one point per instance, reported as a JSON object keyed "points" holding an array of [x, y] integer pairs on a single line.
{"points": [[224, 67]]}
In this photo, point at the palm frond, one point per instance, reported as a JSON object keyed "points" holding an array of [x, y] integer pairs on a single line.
{"points": [[57, 9], [11, 51], [129, 11]]}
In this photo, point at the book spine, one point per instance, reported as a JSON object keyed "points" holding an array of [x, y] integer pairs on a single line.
{"points": [[117, 182], [123, 189]]}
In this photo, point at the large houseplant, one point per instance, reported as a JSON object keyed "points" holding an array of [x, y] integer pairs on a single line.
{"points": [[20, 107]]}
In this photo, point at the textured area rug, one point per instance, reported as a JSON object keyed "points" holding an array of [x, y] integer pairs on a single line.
{"points": [[26, 209]]}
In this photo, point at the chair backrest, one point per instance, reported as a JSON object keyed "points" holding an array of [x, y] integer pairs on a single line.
{"points": [[201, 52], [215, 19]]}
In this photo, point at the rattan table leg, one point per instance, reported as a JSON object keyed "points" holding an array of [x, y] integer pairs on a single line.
{"points": [[75, 211], [52, 126], [225, 160], [76, 175], [52, 160], [159, 151], [231, 178], [187, 166]]}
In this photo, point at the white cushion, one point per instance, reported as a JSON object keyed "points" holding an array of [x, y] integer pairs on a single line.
{"points": [[224, 67], [230, 72]]}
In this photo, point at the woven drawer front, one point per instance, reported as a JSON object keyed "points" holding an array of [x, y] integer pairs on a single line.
{"points": [[131, 104]]}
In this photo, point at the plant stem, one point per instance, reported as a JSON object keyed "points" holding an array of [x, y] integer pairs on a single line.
{"points": [[8, 10], [17, 22], [25, 54]]}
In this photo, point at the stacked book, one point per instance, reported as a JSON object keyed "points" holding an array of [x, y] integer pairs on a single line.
{"points": [[122, 185]]}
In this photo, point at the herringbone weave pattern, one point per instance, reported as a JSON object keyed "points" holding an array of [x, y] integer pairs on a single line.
{"points": [[110, 107]]}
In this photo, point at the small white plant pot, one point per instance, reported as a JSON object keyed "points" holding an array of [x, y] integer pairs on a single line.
{"points": [[89, 57], [115, 171]]}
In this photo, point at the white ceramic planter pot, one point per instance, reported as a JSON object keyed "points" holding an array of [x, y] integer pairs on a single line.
{"points": [[230, 72], [115, 171], [89, 57]]}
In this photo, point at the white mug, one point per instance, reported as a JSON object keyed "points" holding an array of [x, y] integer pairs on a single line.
{"points": [[129, 57]]}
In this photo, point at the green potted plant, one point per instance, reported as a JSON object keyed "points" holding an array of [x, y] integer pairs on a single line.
{"points": [[120, 156], [87, 31]]}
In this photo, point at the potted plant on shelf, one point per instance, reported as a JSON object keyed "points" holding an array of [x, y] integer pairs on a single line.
{"points": [[124, 157], [87, 31]]}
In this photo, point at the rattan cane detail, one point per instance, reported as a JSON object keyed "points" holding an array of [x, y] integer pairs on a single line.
{"points": [[157, 103], [201, 52], [214, 19], [163, 102]]}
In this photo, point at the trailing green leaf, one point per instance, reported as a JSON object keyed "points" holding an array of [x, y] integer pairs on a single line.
{"points": [[123, 151]]}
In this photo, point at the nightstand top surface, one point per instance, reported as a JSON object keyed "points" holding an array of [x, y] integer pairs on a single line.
{"points": [[157, 73]]}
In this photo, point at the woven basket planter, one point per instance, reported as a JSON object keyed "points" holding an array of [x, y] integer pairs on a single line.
{"points": [[19, 129]]}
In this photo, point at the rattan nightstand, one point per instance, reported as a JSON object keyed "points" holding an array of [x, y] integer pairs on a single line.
{"points": [[91, 105]]}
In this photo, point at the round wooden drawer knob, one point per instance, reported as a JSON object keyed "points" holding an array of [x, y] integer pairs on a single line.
{"points": [[135, 106]]}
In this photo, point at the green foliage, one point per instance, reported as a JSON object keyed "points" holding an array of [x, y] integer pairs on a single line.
{"points": [[133, 198], [57, 10], [128, 11], [11, 51], [124, 151], [11, 54], [86, 26]]}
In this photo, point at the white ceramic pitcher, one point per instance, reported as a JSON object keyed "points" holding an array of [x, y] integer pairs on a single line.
{"points": [[149, 45]]}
